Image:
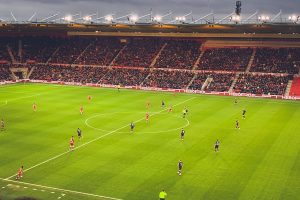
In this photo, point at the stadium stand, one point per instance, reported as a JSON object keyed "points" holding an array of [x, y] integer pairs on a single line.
{"points": [[219, 82], [138, 53], [101, 52], [38, 49], [69, 74], [127, 77], [179, 54], [225, 59], [281, 60], [261, 84], [295, 89], [70, 50], [169, 79], [5, 74]]}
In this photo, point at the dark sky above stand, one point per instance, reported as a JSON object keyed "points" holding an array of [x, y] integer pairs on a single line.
{"points": [[23, 9]]}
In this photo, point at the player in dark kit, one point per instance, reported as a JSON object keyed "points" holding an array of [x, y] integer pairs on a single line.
{"points": [[237, 126], [162, 104], [132, 126], [244, 114], [235, 101], [79, 133], [182, 134], [2, 125], [180, 166], [217, 144]]}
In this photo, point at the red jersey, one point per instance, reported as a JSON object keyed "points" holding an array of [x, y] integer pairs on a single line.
{"points": [[72, 141], [20, 172]]}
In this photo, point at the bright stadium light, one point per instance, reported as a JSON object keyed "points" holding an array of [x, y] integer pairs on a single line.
{"points": [[235, 18], [68, 18], [264, 18], [294, 18], [108, 18], [180, 18], [133, 18], [157, 18], [87, 18]]}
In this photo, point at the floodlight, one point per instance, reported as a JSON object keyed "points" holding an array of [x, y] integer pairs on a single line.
{"points": [[133, 18], [264, 18], [157, 18], [235, 18], [68, 18], [108, 18], [87, 18], [294, 18]]}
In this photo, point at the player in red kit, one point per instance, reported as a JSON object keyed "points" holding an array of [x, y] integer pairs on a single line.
{"points": [[89, 98], [72, 143], [34, 107], [20, 173], [147, 117], [81, 110], [170, 109]]}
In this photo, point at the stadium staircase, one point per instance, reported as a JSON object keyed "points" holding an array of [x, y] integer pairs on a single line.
{"points": [[157, 56], [20, 50], [30, 72], [295, 87], [87, 47], [198, 59], [206, 83], [52, 55], [11, 54], [145, 79], [115, 58], [251, 60], [190, 83], [234, 82]]}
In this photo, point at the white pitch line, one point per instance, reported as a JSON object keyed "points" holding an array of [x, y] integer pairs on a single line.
{"points": [[60, 189], [96, 139]]}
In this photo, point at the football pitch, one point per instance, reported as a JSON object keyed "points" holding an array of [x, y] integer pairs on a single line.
{"points": [[261, 160]]}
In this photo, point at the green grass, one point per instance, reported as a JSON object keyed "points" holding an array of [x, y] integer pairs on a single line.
{"points": [[259, 161]]}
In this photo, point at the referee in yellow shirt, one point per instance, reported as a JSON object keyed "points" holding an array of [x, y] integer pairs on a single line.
{"points": [[162, 195]]}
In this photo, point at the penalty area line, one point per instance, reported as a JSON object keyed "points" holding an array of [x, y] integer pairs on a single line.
{"points": [[94, 140], [60, 189]]}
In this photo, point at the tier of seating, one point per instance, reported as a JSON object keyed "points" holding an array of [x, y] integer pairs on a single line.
{"points": [[179, 54], [217, 83], [138, 53], [5, 74], [225, 59], [101, 52], [70, 50], [261, 84], [282, 60], [125, 77], [295, 87], [169, 79]]}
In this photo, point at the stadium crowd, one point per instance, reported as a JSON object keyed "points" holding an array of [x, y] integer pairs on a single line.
{"points": [[70, 50], [218, 83], [282, 60], [5, 74], [127, 77], [180, 54], [101, 52], [138, 53], [225, 59], [68, 74], [261, 84], [169, 79]]}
